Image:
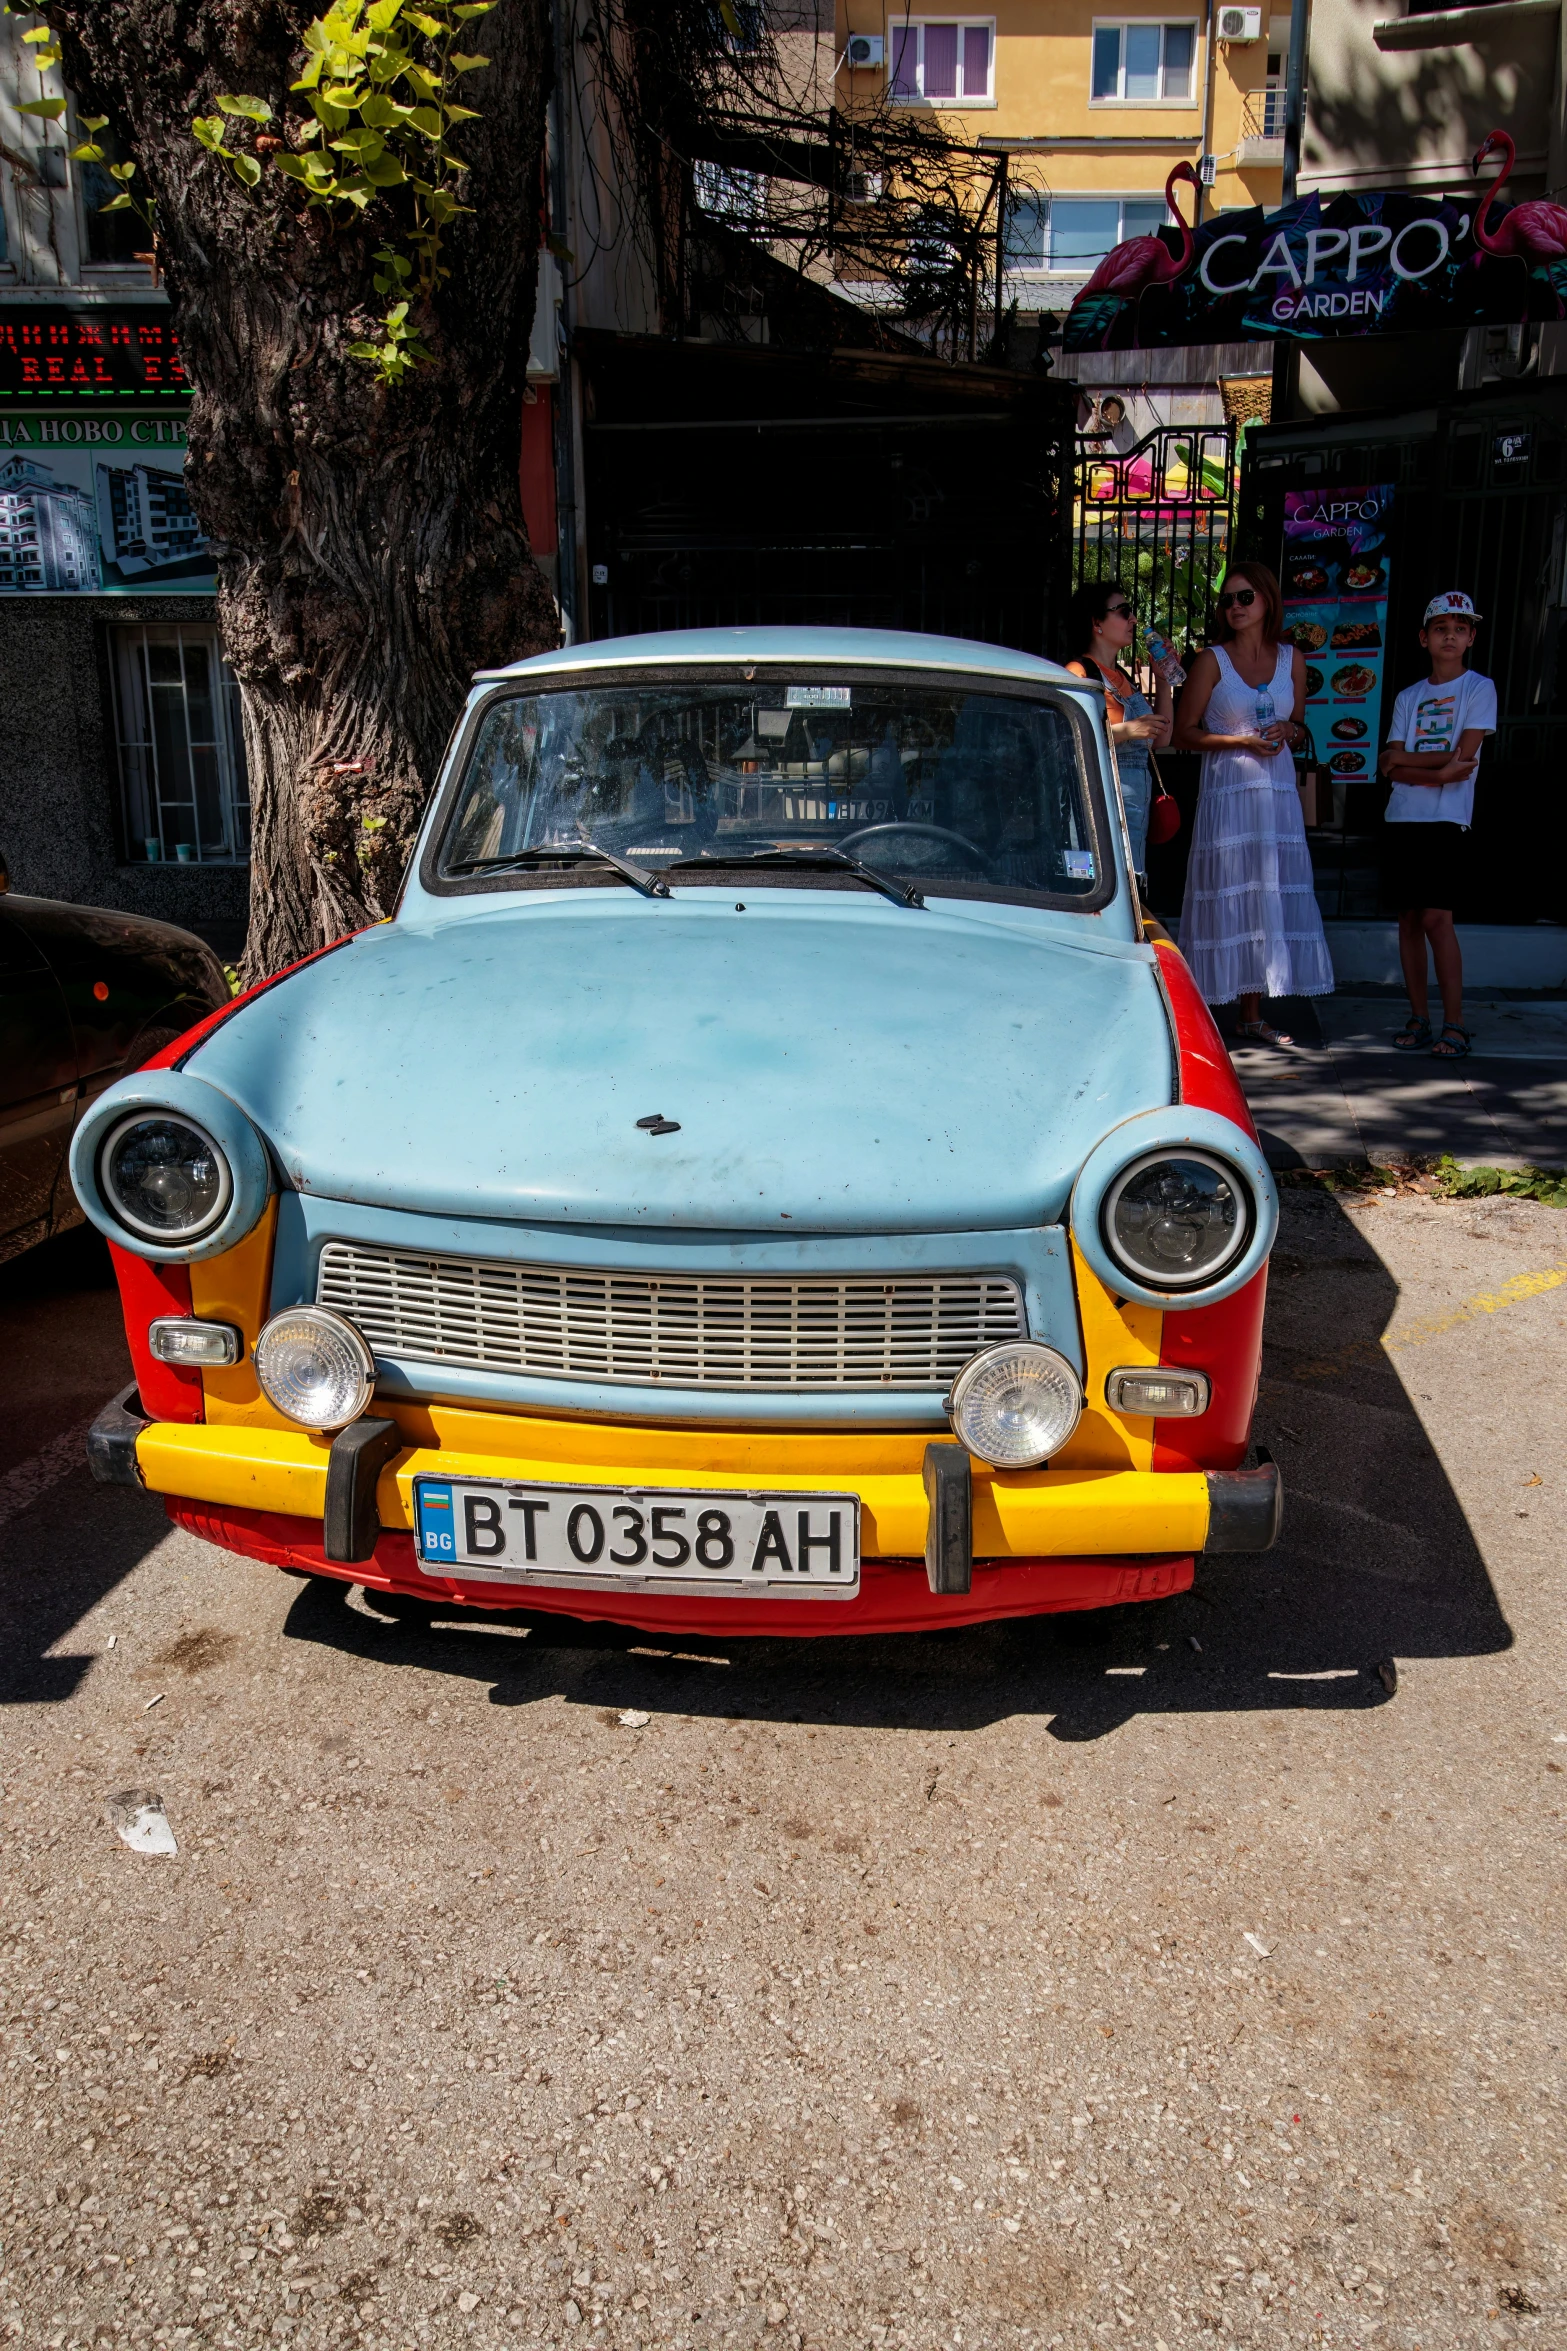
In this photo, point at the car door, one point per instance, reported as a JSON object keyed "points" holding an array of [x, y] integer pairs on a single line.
{"points": [[37, 1086]]}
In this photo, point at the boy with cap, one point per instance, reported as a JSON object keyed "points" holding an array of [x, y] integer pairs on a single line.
{"points": [[1432, 751]]}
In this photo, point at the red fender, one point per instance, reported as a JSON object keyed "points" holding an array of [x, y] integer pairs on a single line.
{"points": [[1225, 1341]]}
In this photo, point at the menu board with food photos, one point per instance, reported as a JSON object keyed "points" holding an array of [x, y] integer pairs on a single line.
{"points": [[1335, 609]]}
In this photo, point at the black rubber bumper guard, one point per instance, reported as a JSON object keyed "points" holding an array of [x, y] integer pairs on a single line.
{"points": [[1245, 1507], [350, 1522]]}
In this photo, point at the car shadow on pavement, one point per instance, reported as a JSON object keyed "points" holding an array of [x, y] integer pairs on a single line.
{"points": [[1376, 1563], [64, 1542], [58, 1560]]}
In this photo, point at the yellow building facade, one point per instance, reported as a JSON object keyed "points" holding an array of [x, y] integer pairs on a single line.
{"points": [[1093, 105]]}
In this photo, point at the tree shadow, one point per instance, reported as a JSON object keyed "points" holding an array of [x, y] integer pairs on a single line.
{"points": [[1376, 1562]]}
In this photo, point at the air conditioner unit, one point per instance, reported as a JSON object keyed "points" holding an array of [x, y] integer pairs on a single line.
{"points": [[1240, 24], [869, 49]]}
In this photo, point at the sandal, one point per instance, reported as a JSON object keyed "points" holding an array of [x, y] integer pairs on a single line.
{"points": [[1257, 1032], [1445, 1048], [1415, 1035]]}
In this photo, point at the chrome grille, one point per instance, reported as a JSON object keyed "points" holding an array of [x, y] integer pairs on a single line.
{"points": [[669, 1330]]}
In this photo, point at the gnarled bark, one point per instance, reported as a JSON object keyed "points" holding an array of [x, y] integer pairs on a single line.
{"points": [[371, 550]]}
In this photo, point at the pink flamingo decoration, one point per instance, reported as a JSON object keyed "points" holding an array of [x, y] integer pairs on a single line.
{"points": [[1146, 261], [1534, 231]]}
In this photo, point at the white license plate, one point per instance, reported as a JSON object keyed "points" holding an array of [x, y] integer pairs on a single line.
{"points": [[803, 1546]]}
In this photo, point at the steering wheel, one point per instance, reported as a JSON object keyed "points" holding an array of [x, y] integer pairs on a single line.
{"points": [[856, 843]]}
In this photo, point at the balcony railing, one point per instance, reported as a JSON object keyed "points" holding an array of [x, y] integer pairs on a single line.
{"points": [[1262, 114]]}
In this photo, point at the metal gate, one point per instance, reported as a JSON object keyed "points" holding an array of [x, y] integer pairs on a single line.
{"points": [[1158, 517]]}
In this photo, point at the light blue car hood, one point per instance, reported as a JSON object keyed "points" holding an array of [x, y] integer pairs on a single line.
{"points": [[835, 1063]]}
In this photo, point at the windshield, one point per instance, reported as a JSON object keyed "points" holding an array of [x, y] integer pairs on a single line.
{"points": [[933, 782]]}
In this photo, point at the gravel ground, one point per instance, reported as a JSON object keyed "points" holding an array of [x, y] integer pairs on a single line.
{"points": [[1147, 1977]]}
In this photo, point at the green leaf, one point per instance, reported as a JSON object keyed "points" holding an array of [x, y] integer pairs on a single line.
{"points": [[50, 109], [383, 113], [119, 203], [396, 315], [295, 167], [39, 35], [253, 109], [462, 114], [421, 83], [461, 64], [246, 169], [208, 130], [426, 119], [122, 171], [94, 122], [473, 8], [430, 26], [384, 14], [85, 153]]}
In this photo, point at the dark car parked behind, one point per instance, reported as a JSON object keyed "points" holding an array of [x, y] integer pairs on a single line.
{"points": [[85, 996]]}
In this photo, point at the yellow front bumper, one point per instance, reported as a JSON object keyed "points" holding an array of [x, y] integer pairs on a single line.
{"points": [[1026, 1514]]}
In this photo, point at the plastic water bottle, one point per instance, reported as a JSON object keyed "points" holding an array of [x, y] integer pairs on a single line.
{"points": [[1263, 708], [1163, 658]]}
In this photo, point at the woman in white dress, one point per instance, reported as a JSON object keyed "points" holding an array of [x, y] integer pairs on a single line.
{"points": [[1249, 925]]}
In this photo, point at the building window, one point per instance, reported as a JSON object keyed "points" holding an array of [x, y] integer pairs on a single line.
{"points": [[943, 62], [109, 238], [1068, 236], [182, 757], [1143, 64]]}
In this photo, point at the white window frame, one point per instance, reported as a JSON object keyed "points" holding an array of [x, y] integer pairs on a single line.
{"points": [[1121, 25], [1119, 196], [916, 25]]}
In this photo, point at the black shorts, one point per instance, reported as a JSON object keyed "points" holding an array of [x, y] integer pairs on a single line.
{"points": [[1423, 865]]}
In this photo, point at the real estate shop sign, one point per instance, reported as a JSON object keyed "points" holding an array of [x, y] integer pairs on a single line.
{"points": [[1378, 263], [70, 351], [93, 503]]}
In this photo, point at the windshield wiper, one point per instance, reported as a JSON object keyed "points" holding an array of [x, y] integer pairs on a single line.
{"points": [[822, 856], [651, 885]]}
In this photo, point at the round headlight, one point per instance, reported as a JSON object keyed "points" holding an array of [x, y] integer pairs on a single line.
{"points": [[1016, 1404], [315, 1367], [164, 1176], [1177, 1218]]}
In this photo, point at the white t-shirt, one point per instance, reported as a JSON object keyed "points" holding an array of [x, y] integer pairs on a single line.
{"points": [[1429, 717]]}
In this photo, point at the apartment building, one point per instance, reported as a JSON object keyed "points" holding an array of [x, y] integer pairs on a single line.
{"points": [[1090, 109]]}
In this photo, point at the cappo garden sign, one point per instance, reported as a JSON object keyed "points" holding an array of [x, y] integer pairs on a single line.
{"points": [[1379, 262]]}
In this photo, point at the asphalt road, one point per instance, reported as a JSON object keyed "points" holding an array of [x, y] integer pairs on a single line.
{"points": [[1155, 1977]]}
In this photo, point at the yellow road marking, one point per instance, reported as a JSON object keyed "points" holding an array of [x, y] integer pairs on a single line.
{"points": [[1512, 1292]]}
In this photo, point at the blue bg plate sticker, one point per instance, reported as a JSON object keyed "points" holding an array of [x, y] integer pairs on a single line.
{"points": [[437, 1526]]}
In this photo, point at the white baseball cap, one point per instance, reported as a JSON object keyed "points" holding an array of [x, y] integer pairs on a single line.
{"points": [[1452, 605]]}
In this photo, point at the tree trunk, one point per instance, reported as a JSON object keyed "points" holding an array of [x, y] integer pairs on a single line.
{"points": [[371, 551]]}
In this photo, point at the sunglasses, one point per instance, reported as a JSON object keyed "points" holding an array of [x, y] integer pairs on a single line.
{"points": [[1239, 596], [1113, 611]]}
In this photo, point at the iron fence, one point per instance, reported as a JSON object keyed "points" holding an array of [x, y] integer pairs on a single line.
{"points": [[1158, 516]]}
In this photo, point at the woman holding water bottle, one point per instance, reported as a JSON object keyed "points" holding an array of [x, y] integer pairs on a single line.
{"points": [[1250, 926], [1101, 626]]}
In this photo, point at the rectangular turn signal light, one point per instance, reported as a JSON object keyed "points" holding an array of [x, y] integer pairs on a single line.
{"points": [[1155, 1394], [176, 1338]]}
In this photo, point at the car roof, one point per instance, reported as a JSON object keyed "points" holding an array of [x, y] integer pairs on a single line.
{"points": [[872, 648]]}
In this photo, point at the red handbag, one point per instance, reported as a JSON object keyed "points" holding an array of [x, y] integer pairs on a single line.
{"points": [[1164, 815]]}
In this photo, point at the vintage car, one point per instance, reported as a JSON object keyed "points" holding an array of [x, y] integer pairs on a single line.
{"points": [[765, 1178]]}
